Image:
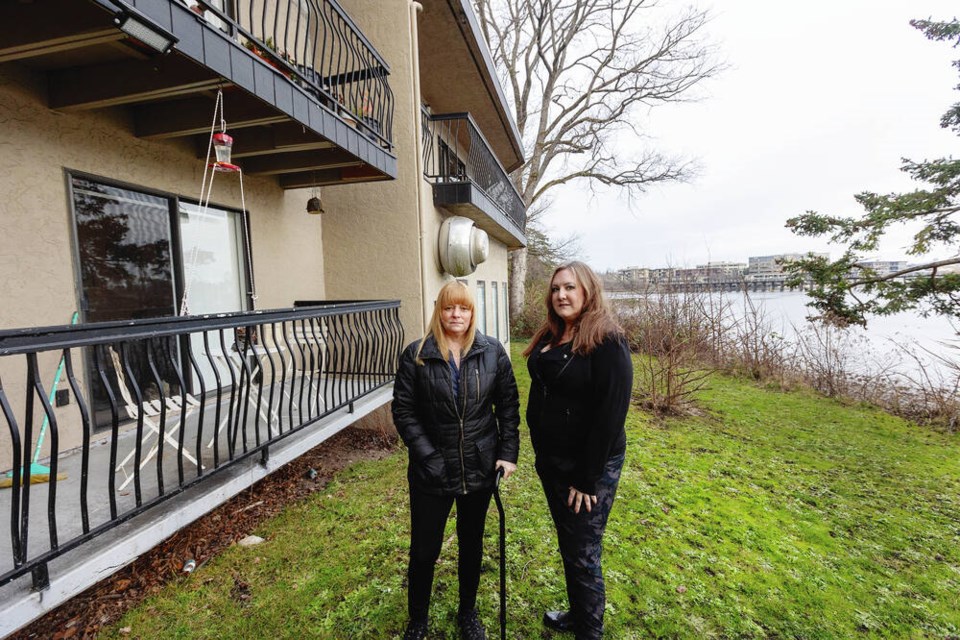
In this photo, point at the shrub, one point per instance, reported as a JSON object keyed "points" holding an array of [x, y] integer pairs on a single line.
{"points": [[675, 341]]}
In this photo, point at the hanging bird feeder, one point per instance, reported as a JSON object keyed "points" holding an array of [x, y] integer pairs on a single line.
{"points": [[221, 143], [223, 146]]}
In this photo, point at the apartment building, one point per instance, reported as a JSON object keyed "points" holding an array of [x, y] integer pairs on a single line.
{"points": [[222, 220]]}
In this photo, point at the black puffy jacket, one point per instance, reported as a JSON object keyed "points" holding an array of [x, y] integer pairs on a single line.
{"points": [[454, 443]]}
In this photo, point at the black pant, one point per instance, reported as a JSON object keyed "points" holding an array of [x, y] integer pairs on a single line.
{"points": [[428, 517], [580, 537]]}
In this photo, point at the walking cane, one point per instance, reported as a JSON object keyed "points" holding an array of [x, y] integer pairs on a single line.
{"points": [[503, 557]]}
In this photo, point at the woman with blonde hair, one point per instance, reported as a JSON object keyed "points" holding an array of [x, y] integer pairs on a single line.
{"points": [[581, 381], [456, 407]]}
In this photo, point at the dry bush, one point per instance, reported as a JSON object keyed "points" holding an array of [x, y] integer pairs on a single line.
{"points": [[716, 318], [532, 314], [753, 347], [671, 334], [932, 394], [824, 354], [685, 336]]}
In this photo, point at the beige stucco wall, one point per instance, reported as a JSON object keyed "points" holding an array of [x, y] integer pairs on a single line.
{"points": [[36, 250], [380, 239], [371, 232], [37, 258]]}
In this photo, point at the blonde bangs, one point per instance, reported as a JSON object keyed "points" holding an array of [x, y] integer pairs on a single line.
{"points": [[452, 294]]}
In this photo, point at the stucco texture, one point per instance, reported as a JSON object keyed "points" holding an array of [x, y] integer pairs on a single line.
{"points": [[371, 235], [39, 146]]}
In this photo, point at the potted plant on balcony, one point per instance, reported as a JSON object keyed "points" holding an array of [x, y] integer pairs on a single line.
{"points": [[271, 58], [364, 112], [348, 115]]}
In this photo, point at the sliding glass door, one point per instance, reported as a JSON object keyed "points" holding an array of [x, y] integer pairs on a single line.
{"points": [[214, 275]]}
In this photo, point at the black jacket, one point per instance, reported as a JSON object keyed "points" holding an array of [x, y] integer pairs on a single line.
{"points": [[454, 443], [577, 409]]}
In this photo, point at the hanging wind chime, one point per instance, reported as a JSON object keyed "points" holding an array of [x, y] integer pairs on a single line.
{"points": [[221, 143]]}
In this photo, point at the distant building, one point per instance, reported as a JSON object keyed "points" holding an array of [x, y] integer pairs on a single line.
{"points": [[632, 276], [880, 268], [721, 271], [761, 268], [663, 275]]}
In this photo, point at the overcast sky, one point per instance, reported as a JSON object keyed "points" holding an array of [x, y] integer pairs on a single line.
{"points": [[821, 101]]}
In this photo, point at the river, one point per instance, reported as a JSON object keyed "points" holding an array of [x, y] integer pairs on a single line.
{"points": [[874, 348]]}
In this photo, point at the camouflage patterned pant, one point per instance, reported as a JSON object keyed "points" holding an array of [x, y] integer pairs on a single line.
{"points": [[580, 538]]}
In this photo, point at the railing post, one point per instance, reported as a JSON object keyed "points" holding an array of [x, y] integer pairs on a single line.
{"points": [[41, 577]]}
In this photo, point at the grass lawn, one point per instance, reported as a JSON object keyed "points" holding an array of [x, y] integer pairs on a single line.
{"points": [[773, 514]]}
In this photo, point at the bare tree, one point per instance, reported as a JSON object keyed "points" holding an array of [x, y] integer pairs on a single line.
{"points": [[580, 73]]}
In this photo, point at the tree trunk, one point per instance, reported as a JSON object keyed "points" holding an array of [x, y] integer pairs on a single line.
{"points": [[518, 278]]}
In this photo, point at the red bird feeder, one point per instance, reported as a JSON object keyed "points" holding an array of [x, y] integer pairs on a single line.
{"points": [[222, 145]]}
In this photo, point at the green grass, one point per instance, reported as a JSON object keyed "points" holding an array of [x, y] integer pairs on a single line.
{"points": [[781, 515]]}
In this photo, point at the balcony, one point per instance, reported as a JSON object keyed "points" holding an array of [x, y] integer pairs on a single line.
{"points": [[306, 87], [468, 179], [190, 408]]}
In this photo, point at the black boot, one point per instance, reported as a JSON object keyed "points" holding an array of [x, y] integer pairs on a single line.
{"points": [[558, 620], [416, 630], [470, 626]]}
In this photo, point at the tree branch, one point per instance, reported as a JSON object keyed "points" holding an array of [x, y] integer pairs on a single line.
{"points": [[857, 282]]}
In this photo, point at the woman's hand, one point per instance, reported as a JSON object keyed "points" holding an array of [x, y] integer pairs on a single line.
{"points": [[576, 498], [508, 468]]}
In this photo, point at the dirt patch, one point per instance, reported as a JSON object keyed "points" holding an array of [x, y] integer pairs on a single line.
{"points": [[104, 603]]}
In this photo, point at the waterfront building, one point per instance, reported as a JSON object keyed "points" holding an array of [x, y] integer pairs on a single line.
{"points": [[219, 315]]}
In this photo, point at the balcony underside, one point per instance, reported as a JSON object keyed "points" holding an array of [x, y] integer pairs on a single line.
{"points": [[468, 200], [281, 127]]}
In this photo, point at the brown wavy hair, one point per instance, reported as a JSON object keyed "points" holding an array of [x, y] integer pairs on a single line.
{"points": [[596, 320], [454, 292]]}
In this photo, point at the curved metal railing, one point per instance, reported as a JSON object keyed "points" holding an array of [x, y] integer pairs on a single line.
{"points": [[155, 406], [318, 46]]}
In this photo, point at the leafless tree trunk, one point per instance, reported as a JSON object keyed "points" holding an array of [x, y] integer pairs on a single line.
{"points": [[518, 273], [581, 72]]}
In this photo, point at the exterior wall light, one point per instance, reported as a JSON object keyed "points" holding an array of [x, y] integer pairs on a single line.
{"points": [[314, 206], [138, 26]]}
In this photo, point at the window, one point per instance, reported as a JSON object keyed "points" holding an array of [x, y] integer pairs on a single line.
{"points": [[506, 314], [481, 306], [214, 267], [496, 310], [137, 251], [124, 246]]}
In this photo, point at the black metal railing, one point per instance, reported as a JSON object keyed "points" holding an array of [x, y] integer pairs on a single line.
{"points": [[318, 47], [454, 150], [159, 405]]}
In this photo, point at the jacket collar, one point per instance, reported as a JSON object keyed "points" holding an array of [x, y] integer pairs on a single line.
{"points": [[431, 350]]}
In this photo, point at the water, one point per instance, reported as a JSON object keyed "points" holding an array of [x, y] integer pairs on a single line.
{"points": [[932, 339]]}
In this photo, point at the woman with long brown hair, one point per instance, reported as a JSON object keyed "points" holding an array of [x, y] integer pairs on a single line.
{"points": [[456, 407], [581, 381]]}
